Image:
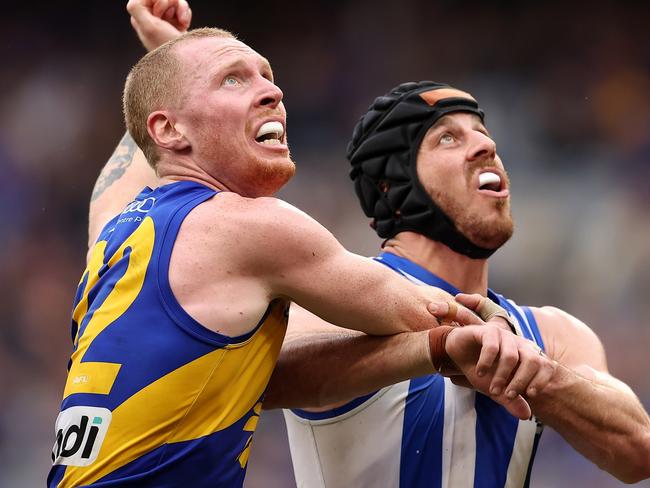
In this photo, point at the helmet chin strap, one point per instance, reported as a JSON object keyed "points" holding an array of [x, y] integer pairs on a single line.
{"points": [[383, 154]]}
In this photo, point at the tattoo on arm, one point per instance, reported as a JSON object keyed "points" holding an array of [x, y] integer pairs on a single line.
{"points": [[119, 161]]}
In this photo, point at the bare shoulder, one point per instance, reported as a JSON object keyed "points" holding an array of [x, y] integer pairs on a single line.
{"points": [[259, 213], [219, 262], [568, 339], [266, 233]]}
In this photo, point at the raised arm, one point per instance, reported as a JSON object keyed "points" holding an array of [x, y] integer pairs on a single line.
{"points": [[126, 172], [597, 414]]}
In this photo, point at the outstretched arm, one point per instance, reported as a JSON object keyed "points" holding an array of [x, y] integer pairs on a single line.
{"points": [[597, 414], [357, 364], [127, 171]]}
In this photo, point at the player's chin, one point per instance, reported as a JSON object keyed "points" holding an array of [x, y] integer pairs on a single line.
{"points": [[275, 174], [492, 232], [283, 170]]}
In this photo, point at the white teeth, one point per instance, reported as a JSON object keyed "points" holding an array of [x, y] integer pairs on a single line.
{"points": [[274, 128], [488, 178]]}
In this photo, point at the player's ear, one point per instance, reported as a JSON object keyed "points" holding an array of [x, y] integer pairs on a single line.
{"points": [[162, 129]]}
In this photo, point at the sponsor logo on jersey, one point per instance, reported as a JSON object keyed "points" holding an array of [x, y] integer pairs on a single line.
{"points": [[142, 206], [80, 432]]}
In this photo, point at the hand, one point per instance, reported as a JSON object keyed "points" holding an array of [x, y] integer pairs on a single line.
{"points": [[449, 312], [159, 21], [488, 310], [500, 364]]}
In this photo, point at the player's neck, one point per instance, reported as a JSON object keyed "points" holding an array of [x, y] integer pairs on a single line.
{"points": [[169, 173], [467, 274]]}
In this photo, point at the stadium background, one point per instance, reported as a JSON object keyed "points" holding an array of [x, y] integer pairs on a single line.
{"points": [[567, 94]]}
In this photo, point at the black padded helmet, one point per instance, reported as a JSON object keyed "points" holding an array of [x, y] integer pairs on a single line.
{"points": [[383, 154]]}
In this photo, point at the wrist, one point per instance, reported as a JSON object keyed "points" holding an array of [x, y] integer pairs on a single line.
{"points": [[437, 348], [551, 398]]}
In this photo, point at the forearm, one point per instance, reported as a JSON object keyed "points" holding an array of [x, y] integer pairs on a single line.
{"points": [[123, 176], [320, 370], [359, 293], [601, 418]]}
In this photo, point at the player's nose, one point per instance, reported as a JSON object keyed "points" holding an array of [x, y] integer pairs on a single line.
{"points": [[270, 94], [481, 147]]}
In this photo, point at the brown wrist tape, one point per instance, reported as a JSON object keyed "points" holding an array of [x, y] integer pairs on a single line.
{"points": [[437, 339]]}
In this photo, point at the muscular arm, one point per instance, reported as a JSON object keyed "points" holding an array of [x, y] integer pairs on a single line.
{"points": [[127, 172], [294, 257], [355, 364], [597, 414]]}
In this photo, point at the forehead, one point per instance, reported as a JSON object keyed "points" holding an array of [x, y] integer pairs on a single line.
{"points": [[205, 55]]}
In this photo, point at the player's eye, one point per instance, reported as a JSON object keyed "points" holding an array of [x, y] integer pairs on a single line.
{"points": [[230, 81], [446, 138]]}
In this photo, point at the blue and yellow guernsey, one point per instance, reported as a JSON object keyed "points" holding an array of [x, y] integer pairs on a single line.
{"points": [[153, 398]]}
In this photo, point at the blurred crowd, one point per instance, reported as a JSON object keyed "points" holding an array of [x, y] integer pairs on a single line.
{"points": [[566, 89]]}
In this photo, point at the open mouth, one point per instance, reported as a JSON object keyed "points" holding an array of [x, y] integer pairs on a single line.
{"points": [[492, 184], [270, 134], [489, 181]]}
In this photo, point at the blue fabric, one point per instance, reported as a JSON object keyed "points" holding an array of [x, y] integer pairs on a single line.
{"points": [[421, 461], [495, 427], [149, 336]]}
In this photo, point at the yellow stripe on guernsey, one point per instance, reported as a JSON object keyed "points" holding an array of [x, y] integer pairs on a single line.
{"points": [[97, 377], [92, 273], [225, 384], [251, 425]]}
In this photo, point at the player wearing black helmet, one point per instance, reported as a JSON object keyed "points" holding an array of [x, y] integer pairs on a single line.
{"points": [[427, 173]]}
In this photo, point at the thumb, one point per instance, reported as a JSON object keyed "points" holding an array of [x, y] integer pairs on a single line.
{"points": [[450, 311], [472, 301]]}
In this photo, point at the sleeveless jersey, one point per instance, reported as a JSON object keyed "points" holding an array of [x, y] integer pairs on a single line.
{"points": [[425, 432], [153, 398]]}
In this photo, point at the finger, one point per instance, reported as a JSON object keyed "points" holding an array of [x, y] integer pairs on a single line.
{"points": [[439, 310], [490, 347], [183, 15], [146, 30], [465, 316], [170, 14], [449, 311], [135, 24], [506, 363], [133, 6], [542, 378], [472, 301], [160, 7], [530, 363], [142, 20], [138, 8]]}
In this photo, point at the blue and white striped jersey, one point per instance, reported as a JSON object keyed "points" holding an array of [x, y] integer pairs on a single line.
{"points": [[425, 432]]}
